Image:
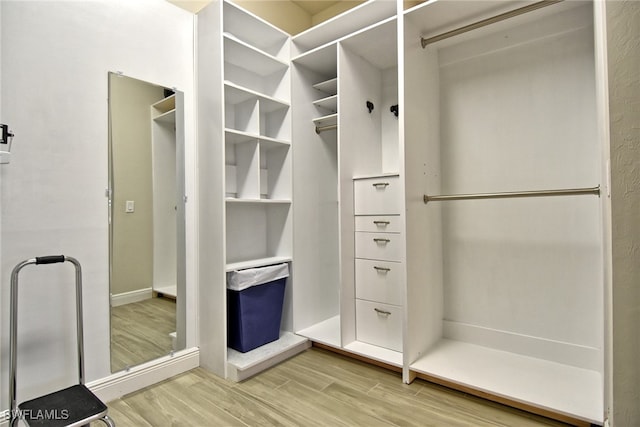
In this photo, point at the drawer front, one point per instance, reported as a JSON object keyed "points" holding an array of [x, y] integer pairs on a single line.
{"points": [[379, 281], [381, 246], [379, 324], [378, 224], [377, 196]]}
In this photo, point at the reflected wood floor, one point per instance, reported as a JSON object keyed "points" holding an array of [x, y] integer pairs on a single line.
{"points": [[314, 388], [140, 331]]}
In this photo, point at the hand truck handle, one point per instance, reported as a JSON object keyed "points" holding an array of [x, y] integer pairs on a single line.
{"points": [[50, 259]]}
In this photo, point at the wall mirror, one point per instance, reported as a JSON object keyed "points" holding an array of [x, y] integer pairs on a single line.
{"points": [[146, 221]]}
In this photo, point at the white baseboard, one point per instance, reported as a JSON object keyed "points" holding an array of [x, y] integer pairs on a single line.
{"points": [[132, 296], [557, 351], [138, 377]]}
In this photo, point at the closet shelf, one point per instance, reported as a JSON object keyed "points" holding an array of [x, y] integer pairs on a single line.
{"points": [[548, 385], [260, 262], [329, 120], [168, 117], [258, 201], [330, 87], [245, 56], [234, 136], [165, 105], [326, 332], [236, 94], [346, 23], [330, 103]]}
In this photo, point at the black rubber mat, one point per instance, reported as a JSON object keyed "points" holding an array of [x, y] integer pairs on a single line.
{"points": [[62, 408]]}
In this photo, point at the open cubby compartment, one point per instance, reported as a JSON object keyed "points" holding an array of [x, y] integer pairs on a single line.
{"points": [[246, 66], [368, 76], [241, 111], [255, 31], [317, 73], [275, 119], [275, 170], [257, 230], [242, 167], [506, 296]]}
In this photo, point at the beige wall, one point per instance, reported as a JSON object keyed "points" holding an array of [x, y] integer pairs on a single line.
{"points": [[334, 10], [623, 39], [132, 245], [281, 13]]}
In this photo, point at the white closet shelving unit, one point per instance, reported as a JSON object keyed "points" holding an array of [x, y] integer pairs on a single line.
{"points": [[332, 84], [244, 63], [163, 128], [499, 297], [505, 296]]}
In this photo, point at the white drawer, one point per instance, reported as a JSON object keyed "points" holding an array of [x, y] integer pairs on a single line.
{"points": [[382, 246], [377, 196], [378, 224], [379, 281], [379, 324]]}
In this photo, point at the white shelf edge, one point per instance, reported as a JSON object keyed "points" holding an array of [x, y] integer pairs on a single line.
{"points": [[261, 262], [258, 201], [254, 49], [377, 175], [169, 100], [344, 24], [232, 85], [168, 117], [258, 137], [328, 103], [330, 119], [327, 86]]}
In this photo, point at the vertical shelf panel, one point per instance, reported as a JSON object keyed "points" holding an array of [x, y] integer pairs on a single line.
{"points": [[247, 170]]}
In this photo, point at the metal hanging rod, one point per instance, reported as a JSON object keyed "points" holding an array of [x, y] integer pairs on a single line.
{"points": [[515, 194], [323, 128], [488, 21]]}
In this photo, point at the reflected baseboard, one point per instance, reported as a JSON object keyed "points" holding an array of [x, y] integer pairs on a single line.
{"points": [[130, 297], [117, 385]]}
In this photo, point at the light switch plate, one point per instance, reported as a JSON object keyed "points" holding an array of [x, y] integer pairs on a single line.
{"points": [[130, 206]]}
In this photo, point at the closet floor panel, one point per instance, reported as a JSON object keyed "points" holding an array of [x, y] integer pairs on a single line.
{"points": [[241, 366], [326, 332], [552, 386]]}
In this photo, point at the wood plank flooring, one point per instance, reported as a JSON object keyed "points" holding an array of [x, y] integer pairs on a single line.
{"points": [[140, 331], [314, 388]]}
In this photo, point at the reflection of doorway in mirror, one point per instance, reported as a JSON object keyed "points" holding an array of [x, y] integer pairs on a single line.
{"points": [[145, 221]]}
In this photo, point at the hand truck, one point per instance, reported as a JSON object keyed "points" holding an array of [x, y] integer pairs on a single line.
{"points": [[72, 406]]}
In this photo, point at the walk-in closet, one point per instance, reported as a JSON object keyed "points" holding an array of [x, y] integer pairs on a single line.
{"points": [[443, 212]]}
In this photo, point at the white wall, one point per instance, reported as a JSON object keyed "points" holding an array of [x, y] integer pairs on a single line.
{"points": [[55, 60], [623, 39], [2, 363]]}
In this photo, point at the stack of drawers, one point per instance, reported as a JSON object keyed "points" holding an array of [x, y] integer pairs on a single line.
{"points": [[379, 246]]}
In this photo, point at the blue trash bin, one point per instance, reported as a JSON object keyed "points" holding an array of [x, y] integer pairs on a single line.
{"points": [[254, 306]]}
